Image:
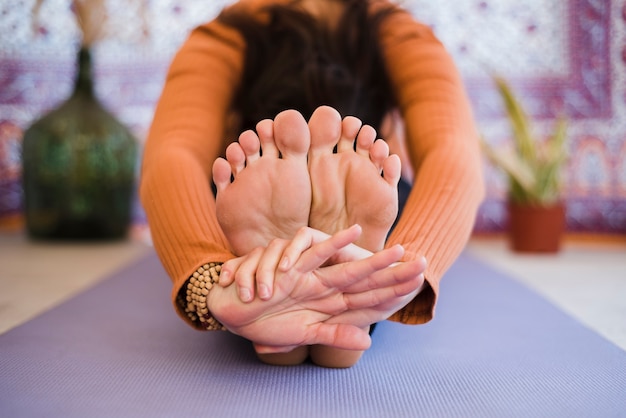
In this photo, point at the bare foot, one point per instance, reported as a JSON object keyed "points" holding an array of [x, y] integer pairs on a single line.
{"points": [[270, 196], [292, 358], [347, 185], [334, 358], [348, 188]]}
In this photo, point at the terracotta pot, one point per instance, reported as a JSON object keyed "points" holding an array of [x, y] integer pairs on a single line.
{"points": [[536, 229]]}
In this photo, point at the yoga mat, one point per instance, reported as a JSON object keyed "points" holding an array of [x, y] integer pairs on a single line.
{"points": [[495, 349]]}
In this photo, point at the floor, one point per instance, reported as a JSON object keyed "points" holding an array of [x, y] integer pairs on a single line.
{"points": [[35, 277], [587, 279]]}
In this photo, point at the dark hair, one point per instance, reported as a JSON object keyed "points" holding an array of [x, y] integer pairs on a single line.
{"points": [[294, 61]]}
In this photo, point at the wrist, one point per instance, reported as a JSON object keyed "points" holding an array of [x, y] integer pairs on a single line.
{"points": [[197, 290]]}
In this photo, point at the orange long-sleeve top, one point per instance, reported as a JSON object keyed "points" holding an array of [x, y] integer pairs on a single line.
{"points": [[190, 130]]}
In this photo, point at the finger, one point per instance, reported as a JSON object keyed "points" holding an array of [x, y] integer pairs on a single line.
{"points": [[389, 276], [364, 317], [227, 274], [266, 270], [342, 276], [349, 253], [322, 250], [245, 275], [303, 239], [382, 306], [362, 309], [383, 296]]}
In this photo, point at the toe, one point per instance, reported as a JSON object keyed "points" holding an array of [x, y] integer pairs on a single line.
{"points": [[378, 152], [265, 129], [325, 127], [350, 127], [236, 157], [291, 134], [365, 140], [392, 168], [251, 146], [221, 174]]}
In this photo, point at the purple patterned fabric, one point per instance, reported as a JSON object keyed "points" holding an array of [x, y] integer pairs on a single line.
{"points": [[560, 57]]}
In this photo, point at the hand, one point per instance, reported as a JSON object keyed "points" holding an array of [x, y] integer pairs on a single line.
{"points": [[379, 310], [257, 269], [307, 295], [262, 266]]}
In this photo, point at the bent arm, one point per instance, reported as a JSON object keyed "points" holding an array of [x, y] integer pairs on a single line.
{"points": [[185, 138], [444, 150]]}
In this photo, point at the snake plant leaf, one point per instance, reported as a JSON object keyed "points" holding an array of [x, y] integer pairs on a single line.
{"points": [[518, 119], [556, 144], [532, 166], [512, 165]]}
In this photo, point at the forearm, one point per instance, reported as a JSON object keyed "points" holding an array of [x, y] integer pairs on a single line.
{"points": [[181, 213], [444, 150], [186, 136], [437, 223]]}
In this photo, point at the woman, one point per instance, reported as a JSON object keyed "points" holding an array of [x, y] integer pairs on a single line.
{"points": [[364, 58]]}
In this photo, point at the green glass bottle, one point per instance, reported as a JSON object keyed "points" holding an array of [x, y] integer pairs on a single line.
{"points": [[78, 167]]}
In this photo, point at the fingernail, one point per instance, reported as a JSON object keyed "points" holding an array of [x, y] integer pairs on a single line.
{"points": [[264, 292], [245, 295], [224, 277]]}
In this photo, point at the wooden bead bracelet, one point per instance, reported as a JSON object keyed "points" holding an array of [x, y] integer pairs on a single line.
{"points": [[198, 287]]}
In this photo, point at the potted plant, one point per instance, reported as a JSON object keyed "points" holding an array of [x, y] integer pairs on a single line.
{"points": [[533, 167]]}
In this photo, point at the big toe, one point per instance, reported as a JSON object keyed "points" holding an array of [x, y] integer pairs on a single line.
{"points": [[291, 134], [325, 127]]}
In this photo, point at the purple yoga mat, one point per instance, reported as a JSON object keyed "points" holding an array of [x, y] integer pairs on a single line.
{"points": [[495, 349]]}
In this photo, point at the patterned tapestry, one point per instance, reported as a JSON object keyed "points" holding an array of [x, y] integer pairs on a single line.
{"points": [[560, 56]]}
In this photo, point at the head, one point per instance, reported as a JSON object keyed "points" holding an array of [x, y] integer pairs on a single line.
{"points": [[295, 60]]}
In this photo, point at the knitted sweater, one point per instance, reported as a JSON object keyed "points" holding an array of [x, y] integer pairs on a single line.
{"points": [[190, 130]]}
